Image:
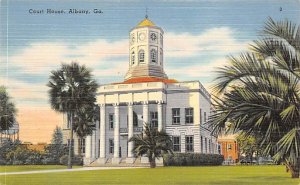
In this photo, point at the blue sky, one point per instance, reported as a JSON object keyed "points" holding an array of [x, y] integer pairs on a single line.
{"points": [[198, 37]]}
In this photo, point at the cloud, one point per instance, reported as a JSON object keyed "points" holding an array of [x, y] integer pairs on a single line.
{"points": [[109, 60], [214, 41], [24, 93], [42, 57], [198, 71]]}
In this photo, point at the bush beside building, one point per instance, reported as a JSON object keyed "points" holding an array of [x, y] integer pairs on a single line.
{"points": [[193, 159]]}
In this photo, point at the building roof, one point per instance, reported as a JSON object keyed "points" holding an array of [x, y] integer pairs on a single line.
{"points": [[227, 137], [147, 79], [146, 22]]}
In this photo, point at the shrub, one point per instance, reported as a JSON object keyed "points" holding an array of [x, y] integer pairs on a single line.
{"points": [[193, 159], [22, 155], [76, 160]]}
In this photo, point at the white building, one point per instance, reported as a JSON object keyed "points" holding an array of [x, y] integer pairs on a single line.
{"points": [[147, 96]]}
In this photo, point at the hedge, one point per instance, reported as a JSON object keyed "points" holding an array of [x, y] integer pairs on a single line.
{"points": [[192, 159], [76, 160]]}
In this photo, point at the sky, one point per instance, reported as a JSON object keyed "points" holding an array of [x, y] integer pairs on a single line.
{"points": [[199, 36]]}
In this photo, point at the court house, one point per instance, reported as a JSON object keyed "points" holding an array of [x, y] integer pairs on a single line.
{"points": [[147, 95]]}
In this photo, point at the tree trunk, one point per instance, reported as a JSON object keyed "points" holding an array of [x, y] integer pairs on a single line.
{"points": [[251, 157], [294, 169], [70, 144], [152, 161], [294, 172]]}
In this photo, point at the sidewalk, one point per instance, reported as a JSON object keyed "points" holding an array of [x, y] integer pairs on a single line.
{"points": [[67, 170]]}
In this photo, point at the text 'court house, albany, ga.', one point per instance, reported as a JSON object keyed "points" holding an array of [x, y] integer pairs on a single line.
{"points": [[147, 95]]}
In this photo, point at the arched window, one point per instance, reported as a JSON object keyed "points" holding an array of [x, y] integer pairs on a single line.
{"points": [[153, 55], [141, 55], [161, 57], [132, 57]]}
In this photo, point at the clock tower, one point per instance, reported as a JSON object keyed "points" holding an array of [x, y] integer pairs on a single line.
{"points": [[146, 51]]}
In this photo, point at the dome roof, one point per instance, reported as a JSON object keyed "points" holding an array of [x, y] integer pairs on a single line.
{"points": [[146, 22]]}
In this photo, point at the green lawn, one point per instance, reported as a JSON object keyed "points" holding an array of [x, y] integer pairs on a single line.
{"points": [[30, 168], [231, 175]]}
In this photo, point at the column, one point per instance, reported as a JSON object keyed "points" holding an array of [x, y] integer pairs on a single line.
{"points": [[145, 114], [144, 159], [116, 134], [97, 140], [93, 145], [102, 131], [88, 148], [88, 151], [130, 129], [159, 115]]}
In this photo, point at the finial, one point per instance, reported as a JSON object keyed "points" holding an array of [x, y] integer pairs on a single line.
{"points": [[146, 16]]}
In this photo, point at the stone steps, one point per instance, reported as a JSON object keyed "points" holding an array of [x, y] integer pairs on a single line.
{"points": [[136, 163]]}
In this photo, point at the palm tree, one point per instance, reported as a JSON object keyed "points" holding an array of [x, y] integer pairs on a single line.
{"points": [[84, 122], [151, 143], [72, 89], [7, 110], [258, 93]]}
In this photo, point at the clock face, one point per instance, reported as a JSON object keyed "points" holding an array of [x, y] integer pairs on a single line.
{"points": [[142, 36], [153, 36]]}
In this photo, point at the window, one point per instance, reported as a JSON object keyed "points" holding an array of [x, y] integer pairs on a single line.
{"points": [[141, 56], [83, 146], [111, 146], [200, 116], [68, 120], [176, 116], [153, 55], [68, 143], [111, 121], [205, 143], [98, 148], [132, 57], [161, 57], [189, 115], [201, 144], [204, 117], [176, 143], [229, 147], [189, 143], [135, 120], [81, 142], [209, 146], [219, 149], [154, 120]]}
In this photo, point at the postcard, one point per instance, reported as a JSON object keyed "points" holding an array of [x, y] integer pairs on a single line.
{"points": [[149, 92]]}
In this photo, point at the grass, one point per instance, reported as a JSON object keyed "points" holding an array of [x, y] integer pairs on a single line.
{"points": [[18, 168], [221, 175]]}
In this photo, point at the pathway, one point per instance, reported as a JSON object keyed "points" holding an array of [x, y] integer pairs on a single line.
{"points": [[67, 170]]}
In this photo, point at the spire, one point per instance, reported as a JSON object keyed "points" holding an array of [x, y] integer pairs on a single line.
{"points": [[146, 16]]}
